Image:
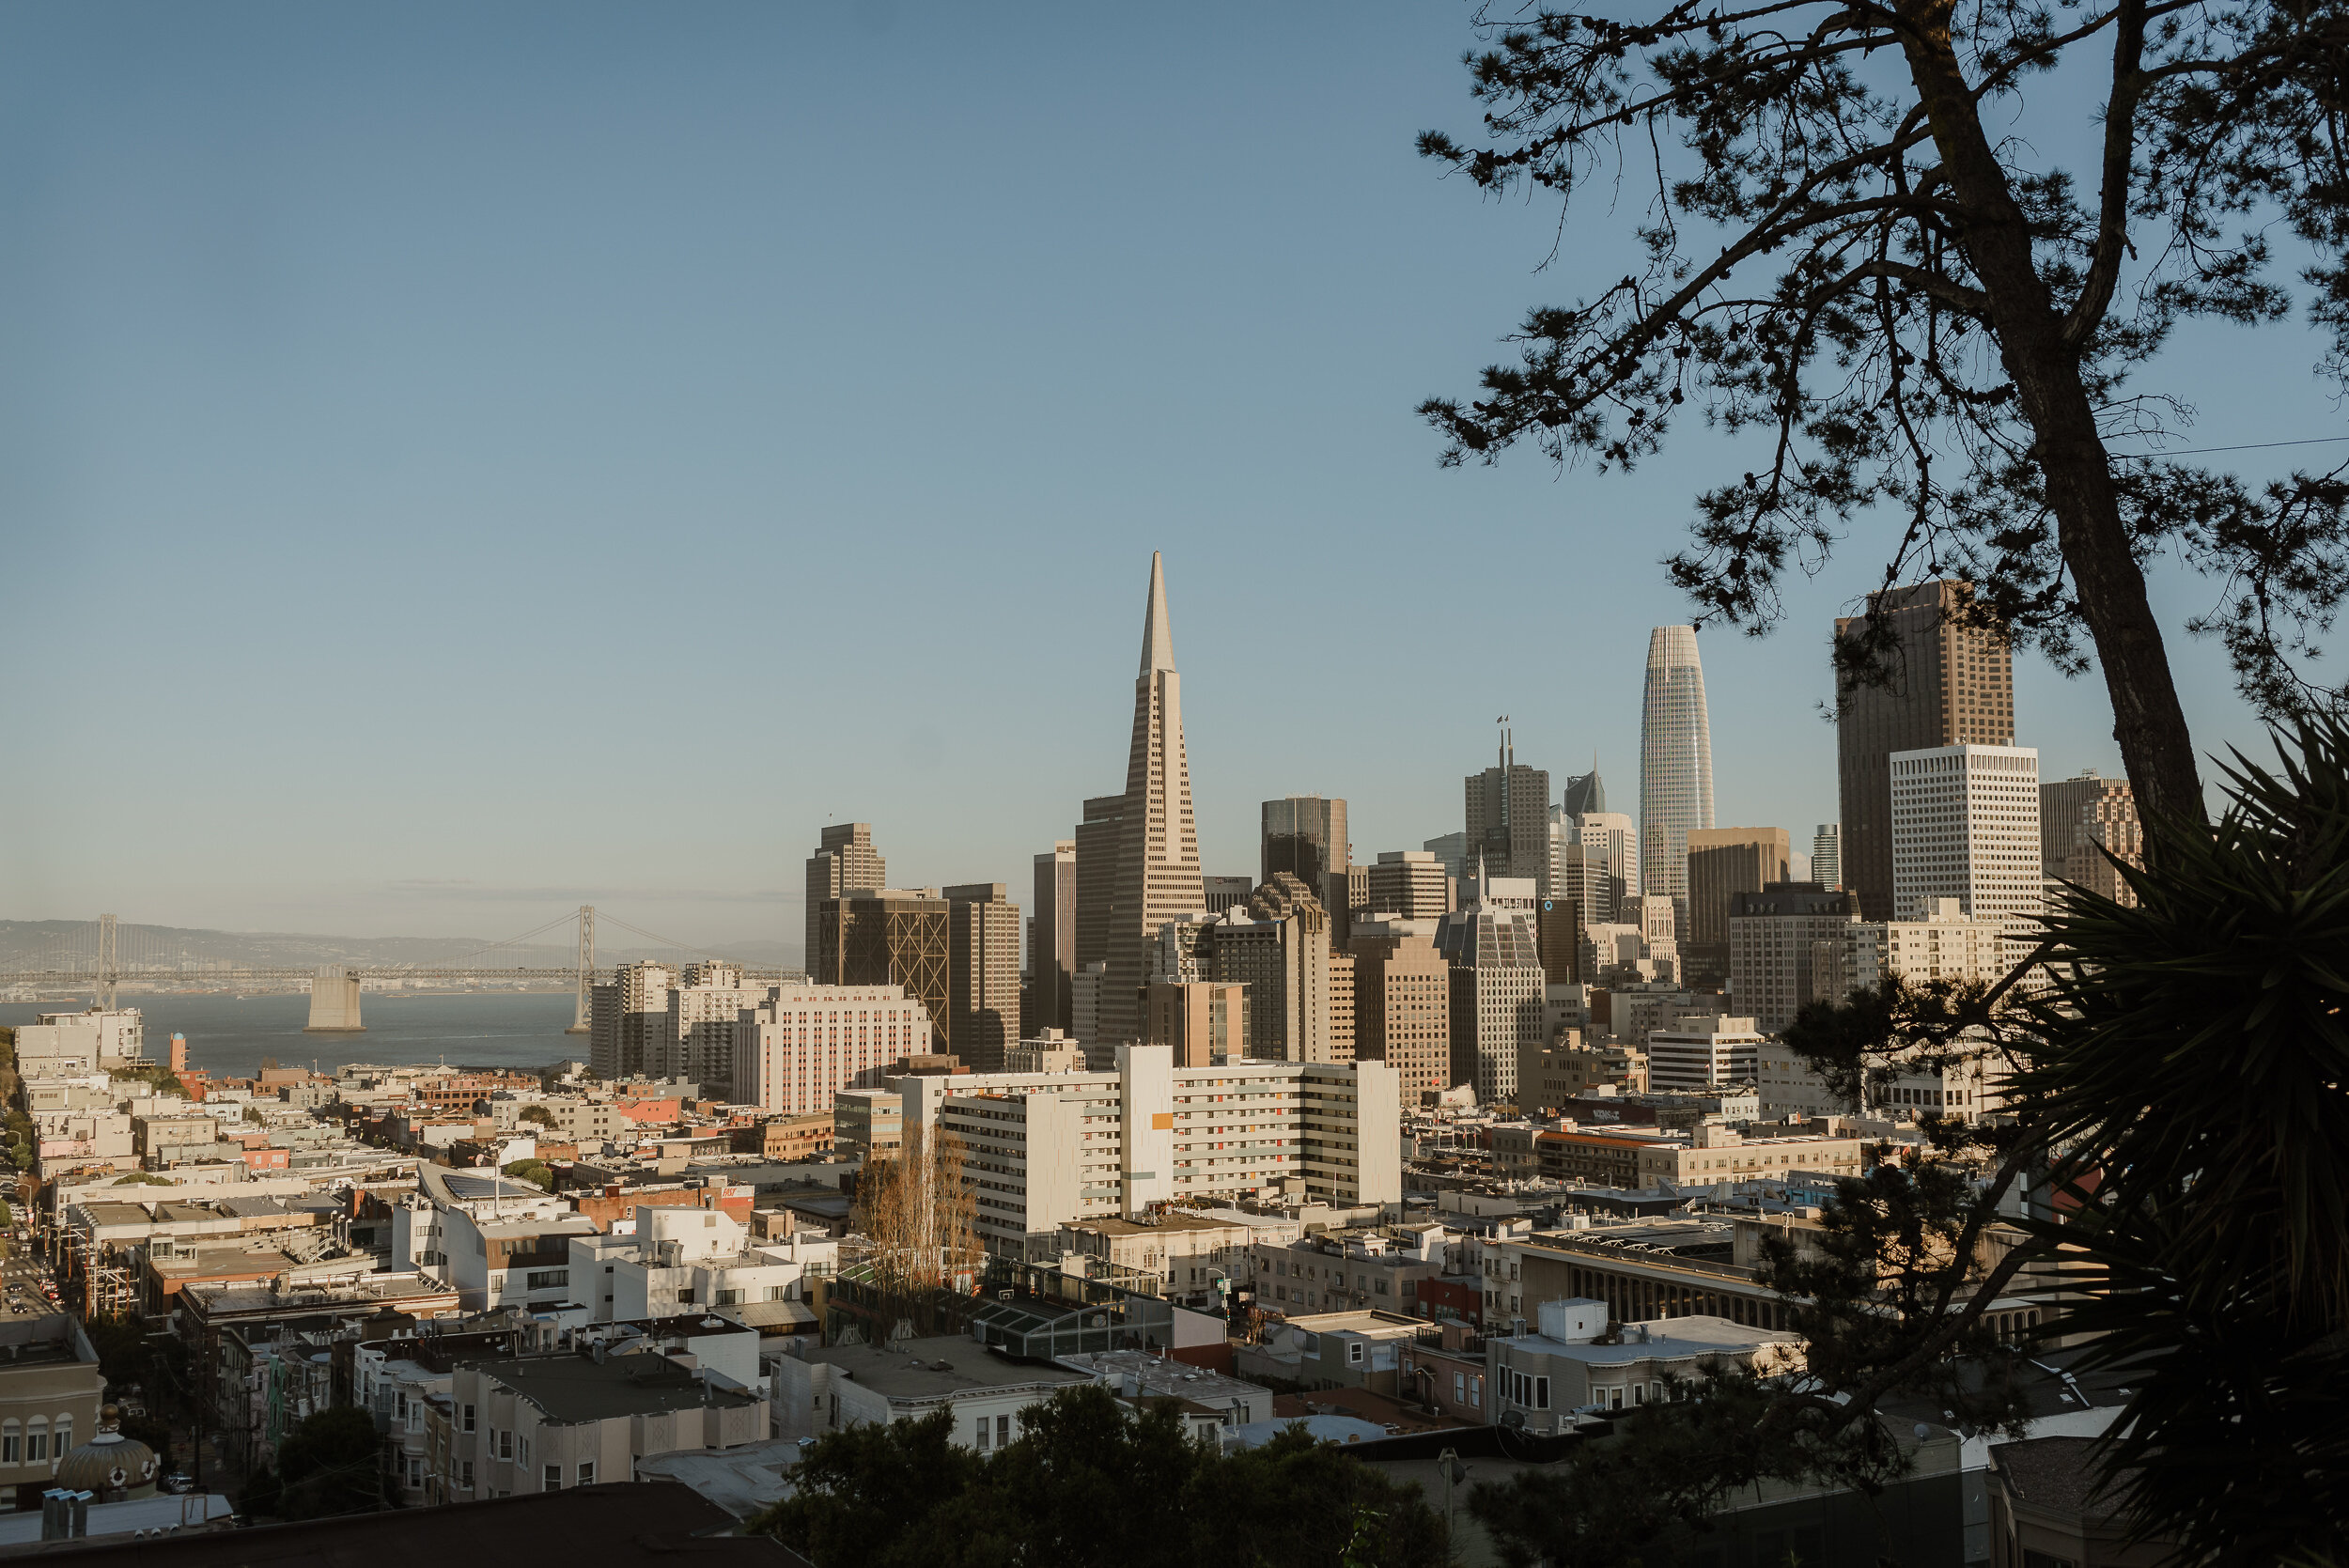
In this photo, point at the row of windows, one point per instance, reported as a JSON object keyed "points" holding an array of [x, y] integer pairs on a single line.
{"points": [[36, 1441]]}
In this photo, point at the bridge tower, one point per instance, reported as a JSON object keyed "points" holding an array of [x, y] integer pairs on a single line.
{"points": [[109, 962], [333, 1003], [583, 1012]]}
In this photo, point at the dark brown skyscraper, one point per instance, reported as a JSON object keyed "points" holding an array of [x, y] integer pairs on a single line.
{"points": [[844, 861], [1096, 843], [1052, 940], [1945, 685], [1305, 836], [889, 938], [1722, 863]]}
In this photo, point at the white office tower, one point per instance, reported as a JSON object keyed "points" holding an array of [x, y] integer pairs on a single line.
{"points": [[1675, 760], [1595, 857], [1965, 826], [1826, 856]]}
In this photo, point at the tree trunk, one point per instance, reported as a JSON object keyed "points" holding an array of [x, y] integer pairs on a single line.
{"points": [[2147, 718]]}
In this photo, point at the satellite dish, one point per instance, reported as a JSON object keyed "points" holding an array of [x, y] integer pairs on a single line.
{"points": [[1923, 1432]]}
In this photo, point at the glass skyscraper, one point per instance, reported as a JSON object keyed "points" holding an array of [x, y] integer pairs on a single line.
{"points": [[1675, 760]]}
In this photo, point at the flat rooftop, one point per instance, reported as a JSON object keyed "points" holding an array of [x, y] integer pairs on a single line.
{"points": [[934, 1368], [1667, 1339], [1171, 1222], [569, 1389], [1161, 1374]]}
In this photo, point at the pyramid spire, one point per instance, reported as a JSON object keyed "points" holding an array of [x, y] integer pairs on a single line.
{"points": [[1157, 635]]}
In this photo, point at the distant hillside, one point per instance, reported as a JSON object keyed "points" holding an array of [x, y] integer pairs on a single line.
{"points": [[26, 944]]}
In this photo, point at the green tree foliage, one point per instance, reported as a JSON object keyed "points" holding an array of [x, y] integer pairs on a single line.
{"points": [[1858, 242], [536, 1171], [122, 1345], [537, 1116], [1089, 1484], [331, 1464], [2192, 1073]]}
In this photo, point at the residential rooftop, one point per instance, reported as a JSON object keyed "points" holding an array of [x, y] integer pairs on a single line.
{"points": [[568, 1389], [935, 1368], [1663, 1339]]}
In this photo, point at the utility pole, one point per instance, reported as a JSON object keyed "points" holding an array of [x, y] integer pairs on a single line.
{"points": [[582, 1009]]}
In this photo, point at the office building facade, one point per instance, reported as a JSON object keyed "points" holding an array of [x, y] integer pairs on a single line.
{"points": [[803, 1046], [1402, 1002], [1704, 1050], [2086, 823], [1965, 826], [1051, 941], [889, 937], [1826, 855], [1942, 682], [1044, 1150], [982, 974], [1097, 837], [1159, 876], [844, 861], [1224, 893], [1493, 945], [1201, 1021], [1775, 939], [1303, 835], [1723, 862], [1279, 948], [1675, 760], [1411, 884], [1508, 819]]}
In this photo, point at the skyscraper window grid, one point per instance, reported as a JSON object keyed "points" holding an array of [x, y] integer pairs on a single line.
{"points": [[1675, 760]]}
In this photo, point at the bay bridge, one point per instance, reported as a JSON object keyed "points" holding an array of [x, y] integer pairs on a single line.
{"points": [[104, 954]]}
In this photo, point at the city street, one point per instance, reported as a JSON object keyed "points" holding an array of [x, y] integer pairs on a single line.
{"points": [[23, 1275]]}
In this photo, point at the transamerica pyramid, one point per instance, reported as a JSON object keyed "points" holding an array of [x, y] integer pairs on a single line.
{"points": [[1157, 858]]}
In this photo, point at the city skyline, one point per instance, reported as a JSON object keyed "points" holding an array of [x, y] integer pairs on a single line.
{"points": [[346, 538]]}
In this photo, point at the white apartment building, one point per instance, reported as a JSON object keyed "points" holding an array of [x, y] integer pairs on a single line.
{"points": [[708, 1015], [495, 1241], [1046, 1149], [1702, 1050], [1942, 944], [57, 1044], [820, 1388], [1965, 826], [804, 1044], [683, 1260]]}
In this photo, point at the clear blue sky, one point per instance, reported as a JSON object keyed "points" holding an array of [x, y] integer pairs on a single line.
{"points": [[461, 460]]}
